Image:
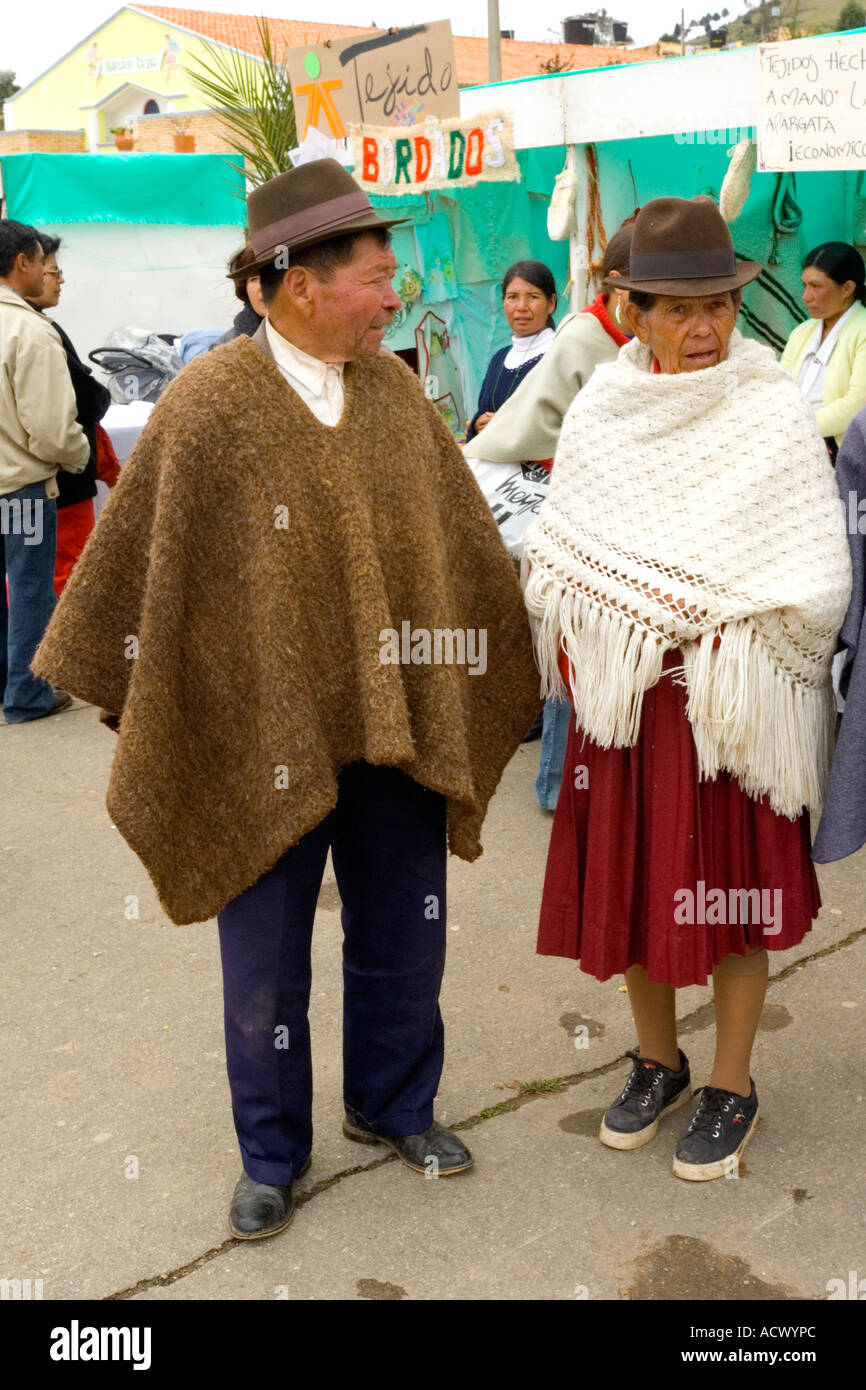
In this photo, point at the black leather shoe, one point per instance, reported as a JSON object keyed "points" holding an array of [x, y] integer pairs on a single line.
{"points": [[259, 1209], [437, 1152]]}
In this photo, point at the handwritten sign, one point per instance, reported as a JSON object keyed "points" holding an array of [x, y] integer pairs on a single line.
{"points": [[435, 154], [381, 79], [812, 104]]}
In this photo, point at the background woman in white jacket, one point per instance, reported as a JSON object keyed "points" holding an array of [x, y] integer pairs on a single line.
{"points": [[526, 429]]}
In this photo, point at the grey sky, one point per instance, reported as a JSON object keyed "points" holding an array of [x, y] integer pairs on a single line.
{"points": [[31, 40]]}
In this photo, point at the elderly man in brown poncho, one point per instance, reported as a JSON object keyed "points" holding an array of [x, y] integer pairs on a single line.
{"points": [[298, 615]]}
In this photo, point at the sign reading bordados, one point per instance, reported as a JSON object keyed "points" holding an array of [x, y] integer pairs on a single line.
{"points": [[435, 154], [812, 104], [378, 79]]}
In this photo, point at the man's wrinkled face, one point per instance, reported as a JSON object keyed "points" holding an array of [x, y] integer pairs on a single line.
{"points": [[688, 334], [351, 310]]}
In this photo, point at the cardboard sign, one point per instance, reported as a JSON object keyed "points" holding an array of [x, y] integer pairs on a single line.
{"points": [[435, 154], [812, 104], [380, 79]]}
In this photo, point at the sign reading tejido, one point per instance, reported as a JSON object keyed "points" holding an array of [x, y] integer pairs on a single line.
{"points": [[382, 78]]}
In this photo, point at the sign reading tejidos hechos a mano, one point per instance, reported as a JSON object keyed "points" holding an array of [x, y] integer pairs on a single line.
{"points": [[812, 104], [435, 154], [384, 78]]}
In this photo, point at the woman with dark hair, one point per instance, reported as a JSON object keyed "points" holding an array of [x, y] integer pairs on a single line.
{"points": [[248, 291], [75, 512], [529, 299], [527, 428], [828, 359], [686, 578]]}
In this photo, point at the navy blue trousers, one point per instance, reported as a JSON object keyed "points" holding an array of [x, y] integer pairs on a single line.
{"points": [[388, 845]]}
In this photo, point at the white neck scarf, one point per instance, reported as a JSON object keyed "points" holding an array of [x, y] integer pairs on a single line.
{"points": [[714, 489], [524, 349]]}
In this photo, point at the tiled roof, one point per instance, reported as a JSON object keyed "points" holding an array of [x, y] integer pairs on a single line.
{"points": [[519, 58]]}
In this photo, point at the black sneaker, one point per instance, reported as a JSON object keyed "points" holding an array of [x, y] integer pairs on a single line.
{"points": [[721, 1128], [650, 1092]]}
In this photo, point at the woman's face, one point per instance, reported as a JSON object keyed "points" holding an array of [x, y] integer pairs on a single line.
{"points": [[254, 294], [687, 334], [52, 283], [526, 307], [823, 297]]}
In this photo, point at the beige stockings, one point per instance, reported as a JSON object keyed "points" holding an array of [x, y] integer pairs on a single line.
{"points": [[740, 984]]}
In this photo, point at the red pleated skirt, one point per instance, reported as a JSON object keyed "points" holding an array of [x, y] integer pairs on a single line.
{"points": [[640, 848]]}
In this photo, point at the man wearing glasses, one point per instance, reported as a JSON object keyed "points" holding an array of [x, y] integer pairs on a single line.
{"points": [[75, 514]]}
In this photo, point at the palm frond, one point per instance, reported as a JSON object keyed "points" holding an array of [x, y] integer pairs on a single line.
{"points": [[252, 99]]}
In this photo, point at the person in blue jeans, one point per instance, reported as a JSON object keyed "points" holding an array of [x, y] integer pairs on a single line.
{"points": [[28, 544], [38, 434], [554, 737]]}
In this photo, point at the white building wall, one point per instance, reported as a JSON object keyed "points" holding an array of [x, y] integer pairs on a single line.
{"points": [[164, 278]]}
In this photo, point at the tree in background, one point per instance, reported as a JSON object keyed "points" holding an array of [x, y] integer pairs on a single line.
{"points": [[253, 100], [8, 88], [760, 22], [852, 16]]}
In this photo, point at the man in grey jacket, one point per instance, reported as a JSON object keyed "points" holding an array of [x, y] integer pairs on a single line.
{"points": [[38, 434]]}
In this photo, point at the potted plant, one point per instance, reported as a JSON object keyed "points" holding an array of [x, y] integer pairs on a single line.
{"points": [[183, 143], [123, 137]]}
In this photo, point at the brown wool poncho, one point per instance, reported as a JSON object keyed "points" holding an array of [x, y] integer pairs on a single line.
{"points": [[231, 611]]}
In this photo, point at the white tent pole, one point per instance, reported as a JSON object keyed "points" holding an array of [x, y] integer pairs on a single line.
{"points": [[577, 240]]}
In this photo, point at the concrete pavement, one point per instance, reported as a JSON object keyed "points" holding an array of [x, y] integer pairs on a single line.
{"points": [[117, 1124]]}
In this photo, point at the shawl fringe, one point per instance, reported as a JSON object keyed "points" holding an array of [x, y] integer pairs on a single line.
{"points": [[748, 717]]}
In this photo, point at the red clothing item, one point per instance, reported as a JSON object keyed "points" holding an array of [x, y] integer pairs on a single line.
{"points": [[75, 522], [74, 525], [107, 462], [638, 829], [597, 309]]}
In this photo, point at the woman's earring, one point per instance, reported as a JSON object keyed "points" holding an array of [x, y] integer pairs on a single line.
{"points": [[617, 313]]}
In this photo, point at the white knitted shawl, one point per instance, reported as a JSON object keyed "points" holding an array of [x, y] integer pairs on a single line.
{"points": [[690, 505]]}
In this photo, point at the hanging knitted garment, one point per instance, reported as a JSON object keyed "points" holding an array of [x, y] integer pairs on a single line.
{"points": [[690, 505]]}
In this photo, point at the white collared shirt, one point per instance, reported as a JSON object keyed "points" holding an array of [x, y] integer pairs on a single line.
{"points": [[319, 384], [814, 368]]}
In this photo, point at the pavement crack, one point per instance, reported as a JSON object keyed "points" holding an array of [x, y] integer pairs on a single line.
{"points": [[172, 1276], [552, 1086]]}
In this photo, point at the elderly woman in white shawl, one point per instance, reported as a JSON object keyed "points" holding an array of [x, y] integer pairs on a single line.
{"points": [[687, 578]]}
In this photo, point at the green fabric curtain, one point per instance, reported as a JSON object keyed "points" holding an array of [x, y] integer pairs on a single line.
{"points": [[494, 224], [195, 190]]}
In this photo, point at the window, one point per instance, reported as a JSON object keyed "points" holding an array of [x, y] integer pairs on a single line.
{"points": [[151, 107]]}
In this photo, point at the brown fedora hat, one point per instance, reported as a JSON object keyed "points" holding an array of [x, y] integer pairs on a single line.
{"points": [[682, 246], [304, 206]]}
